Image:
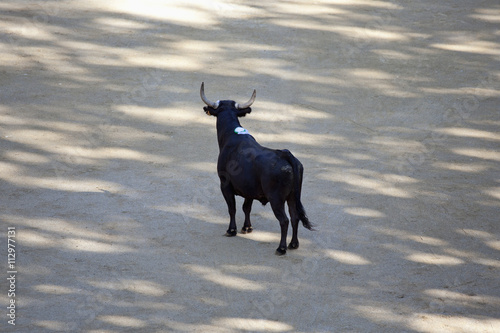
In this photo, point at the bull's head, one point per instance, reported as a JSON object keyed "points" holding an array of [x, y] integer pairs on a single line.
{"points": [[212, 108]]}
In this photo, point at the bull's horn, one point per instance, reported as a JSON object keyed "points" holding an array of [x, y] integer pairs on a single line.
{"points": [[247, 104], [205, 99]]}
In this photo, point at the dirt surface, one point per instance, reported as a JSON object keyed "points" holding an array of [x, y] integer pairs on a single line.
{"points": [[108, 165]]}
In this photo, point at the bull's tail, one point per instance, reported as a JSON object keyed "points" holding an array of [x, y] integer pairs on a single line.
{"points": [[298, 171]]}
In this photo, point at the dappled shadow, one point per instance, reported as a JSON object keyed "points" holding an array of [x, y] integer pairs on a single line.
{"points": [[107, 165]]}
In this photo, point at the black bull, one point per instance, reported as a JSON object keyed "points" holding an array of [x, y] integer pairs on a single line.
{"points": [[254, 172]]}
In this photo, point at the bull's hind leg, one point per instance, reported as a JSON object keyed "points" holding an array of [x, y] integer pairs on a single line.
{"points": [[247, 207], [294, 217], [279, 212], [228, 194]]}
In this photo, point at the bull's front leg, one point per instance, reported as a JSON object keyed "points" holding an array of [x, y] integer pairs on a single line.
{"points": [[228, 194], [247, 208]]}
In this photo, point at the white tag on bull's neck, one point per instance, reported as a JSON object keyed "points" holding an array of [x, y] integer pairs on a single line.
{"points": [[240, 130]]}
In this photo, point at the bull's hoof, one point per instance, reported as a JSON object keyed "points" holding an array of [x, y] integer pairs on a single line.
{"points": [[280, 251], [246, 230], [293, 246], [230, 233]]}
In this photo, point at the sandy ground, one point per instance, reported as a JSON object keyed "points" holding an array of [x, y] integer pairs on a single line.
{"points": [[107, 165]]}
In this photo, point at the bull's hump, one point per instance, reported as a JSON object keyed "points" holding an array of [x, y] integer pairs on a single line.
{"points": [[240, 131]]}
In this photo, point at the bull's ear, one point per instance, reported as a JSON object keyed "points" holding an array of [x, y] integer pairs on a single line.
{"points": [[243, 112], [210, 111]]}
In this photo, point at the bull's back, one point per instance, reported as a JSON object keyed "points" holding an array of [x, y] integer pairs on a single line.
{"points": [[272, 175], [257, 172]]}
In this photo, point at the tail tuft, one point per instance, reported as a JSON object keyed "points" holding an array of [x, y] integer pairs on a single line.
{"points": [[303, 217]]}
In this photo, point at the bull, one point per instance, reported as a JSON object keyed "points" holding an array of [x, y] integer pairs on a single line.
{"points": [[247, 169]]}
